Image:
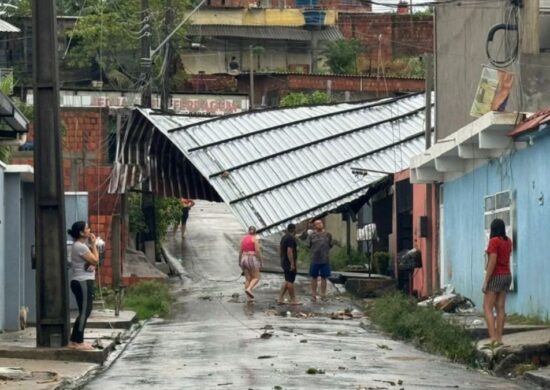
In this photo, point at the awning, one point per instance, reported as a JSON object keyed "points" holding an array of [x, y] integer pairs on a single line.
{"points": [[12, 122], [329, 33], [277, 166], [460, 152], [7, 27]]}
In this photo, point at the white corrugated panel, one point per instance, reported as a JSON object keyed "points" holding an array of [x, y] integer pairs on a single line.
{"points": [[274, 167], [7, 27]]}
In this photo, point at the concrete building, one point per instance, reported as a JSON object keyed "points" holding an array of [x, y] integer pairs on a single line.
{"points": [[483, 169]]}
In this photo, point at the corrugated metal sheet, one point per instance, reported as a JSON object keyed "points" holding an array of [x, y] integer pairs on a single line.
{"points": [[279, 166], [330, 33], [6, 27]]}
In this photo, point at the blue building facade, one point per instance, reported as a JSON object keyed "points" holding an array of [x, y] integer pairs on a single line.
{"points": [[526, 174]]}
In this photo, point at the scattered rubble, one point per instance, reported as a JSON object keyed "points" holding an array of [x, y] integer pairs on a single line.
{"points": [[314, 371], [449, 302], [346, 314]]}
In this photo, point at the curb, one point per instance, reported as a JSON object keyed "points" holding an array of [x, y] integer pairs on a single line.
{"points": [[540, 377], [80, 382]]}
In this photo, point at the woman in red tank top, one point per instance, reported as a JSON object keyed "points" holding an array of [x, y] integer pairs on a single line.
{"points": [[498, 280], [250, 261]]}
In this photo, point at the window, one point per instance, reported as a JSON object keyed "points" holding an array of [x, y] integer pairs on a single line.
{"points": [[501, 205]]}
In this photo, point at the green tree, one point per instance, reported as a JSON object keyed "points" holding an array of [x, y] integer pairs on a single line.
{"points": [[341, 56], [301, 99], [108, 36]]}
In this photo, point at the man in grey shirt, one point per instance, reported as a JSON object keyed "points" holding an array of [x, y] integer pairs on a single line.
{"points": [[319, 242]]}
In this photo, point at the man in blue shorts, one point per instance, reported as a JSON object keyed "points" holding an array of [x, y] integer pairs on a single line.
{"points": [[319, 242]]}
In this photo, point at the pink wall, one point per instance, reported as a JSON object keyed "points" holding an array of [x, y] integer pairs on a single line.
{"points": [[420, 209]]}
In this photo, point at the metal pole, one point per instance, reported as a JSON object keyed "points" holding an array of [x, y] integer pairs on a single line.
{"points": [[348, 235], [168, 54], [251, 77], [145, 57], [52, 293], [147, 197], [428, 63], [115, 258]]}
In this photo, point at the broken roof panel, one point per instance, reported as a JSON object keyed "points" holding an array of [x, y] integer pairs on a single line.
{"points": [[279, 166]]}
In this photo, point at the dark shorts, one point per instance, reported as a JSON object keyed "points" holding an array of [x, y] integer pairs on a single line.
{"points": [[290, 276], [499, 283], [322, 270], [184, 215]]}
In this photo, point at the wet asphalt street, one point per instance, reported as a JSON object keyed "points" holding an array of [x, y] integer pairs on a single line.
{"points": [[214, 340]]}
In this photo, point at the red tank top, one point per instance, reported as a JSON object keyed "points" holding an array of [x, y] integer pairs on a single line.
{"points": [[247, 244]]}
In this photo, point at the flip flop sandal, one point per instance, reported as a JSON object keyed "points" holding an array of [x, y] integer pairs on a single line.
{"points": [[250, 295]]}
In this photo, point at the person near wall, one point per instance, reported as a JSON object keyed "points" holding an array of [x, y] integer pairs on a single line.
{"points": [[319, 242], [250, 261], [498, 279], [84, 260]]}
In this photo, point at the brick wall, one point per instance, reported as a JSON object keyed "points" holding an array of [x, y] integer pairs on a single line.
{"points": [[392, 36], [85, 168], [275, 86], [210, 83], [354, 83], [412, 35]]}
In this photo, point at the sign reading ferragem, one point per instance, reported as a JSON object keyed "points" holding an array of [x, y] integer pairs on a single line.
{"points": [[203, 104]]}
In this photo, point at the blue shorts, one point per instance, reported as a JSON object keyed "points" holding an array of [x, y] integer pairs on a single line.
{"points": [[322, 270]]}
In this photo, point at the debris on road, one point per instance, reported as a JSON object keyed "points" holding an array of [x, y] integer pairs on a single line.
{"points": [[347, 314], [449, 303], [314, 371], [384, 346]]}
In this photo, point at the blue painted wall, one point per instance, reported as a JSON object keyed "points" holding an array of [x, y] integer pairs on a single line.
{"points": [[527, 173], [2, 250], [13, 198]]}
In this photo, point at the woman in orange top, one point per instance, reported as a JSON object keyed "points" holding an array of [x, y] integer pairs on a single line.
{"points": [[250, 261], [498, 280]]}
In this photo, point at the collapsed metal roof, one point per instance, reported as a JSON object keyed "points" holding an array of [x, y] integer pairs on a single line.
{"points": [[272, 167]]}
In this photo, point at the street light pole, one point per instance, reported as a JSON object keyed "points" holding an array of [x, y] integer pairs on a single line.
{"points": [[251, 77], [52, 292]]}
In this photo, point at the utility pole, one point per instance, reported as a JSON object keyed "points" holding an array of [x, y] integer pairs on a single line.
{"points": [[52, 293], [168, 55], [147, 197], [251, 77], [428, 63], [146, 61], [530, 17]]}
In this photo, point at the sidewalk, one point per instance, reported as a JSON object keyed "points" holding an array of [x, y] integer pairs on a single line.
{"points": [[24, 366]]}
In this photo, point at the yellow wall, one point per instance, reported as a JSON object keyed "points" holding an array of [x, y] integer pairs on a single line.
{"points": [[257, 17]]}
